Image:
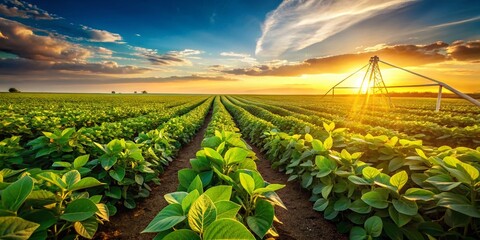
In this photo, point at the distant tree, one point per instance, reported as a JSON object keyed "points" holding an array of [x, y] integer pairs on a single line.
{"points": [[113, 92], [135, 92], [144, 92], [13, 90]]}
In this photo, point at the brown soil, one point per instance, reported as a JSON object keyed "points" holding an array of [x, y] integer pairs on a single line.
{"points": [[300, 221], [127, 224]]}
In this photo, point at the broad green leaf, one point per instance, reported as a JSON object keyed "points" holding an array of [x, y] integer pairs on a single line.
{"points": [[226, 228], [399, 218], [107, 162], [342, 204], [185, 178], [360, 206], [201, 214], [214, 156], [326, 191], [175, 197], [52, 178], [15, 195], [376, 199], [443, 182], [79, 210], [358, 233], [86, 228], [117, 173], [182, 234], [87, 182], [247, 183], [405, 206], [235, 155], [399, 180], [40, 198], [167, 218], [262, 220], [227, 209], [189, 199], [469, 169], [80, 161], [373, 226], [418, 194], [358, 180], [318, 145], [370, 173], [308, 137], [219, 193], [16, 228], [328, 144], [196, 184], [269, 188], [458, 203], [320, 204], [71, 177], [44, 217]]}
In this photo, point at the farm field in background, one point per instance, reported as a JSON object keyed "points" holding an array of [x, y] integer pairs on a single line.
{"points": [[70, 162]]}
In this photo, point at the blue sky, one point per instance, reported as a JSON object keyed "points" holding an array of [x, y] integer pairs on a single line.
{"points": [[210, 46]]}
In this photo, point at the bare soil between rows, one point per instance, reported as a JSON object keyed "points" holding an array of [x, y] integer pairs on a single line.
{"points": [[300, 221], [127, 224]]}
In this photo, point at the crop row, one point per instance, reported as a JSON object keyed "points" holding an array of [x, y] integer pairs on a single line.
{"points": [[69, 194], [222, 195], [376, 186]]}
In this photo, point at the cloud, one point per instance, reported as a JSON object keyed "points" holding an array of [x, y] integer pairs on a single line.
{"points": [[66, 80], [242, 57], [96, 35], [19, 9], [297, 24], [104, 51], [22, 41], [138, 35], [29, 67], [401, 55], [172, 58], [465, 51]]}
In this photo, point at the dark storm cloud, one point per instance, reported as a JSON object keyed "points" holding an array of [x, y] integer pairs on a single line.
{"points": [[401, 55]]}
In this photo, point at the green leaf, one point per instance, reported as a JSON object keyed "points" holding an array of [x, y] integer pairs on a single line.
{"points": [[370, 173], [117, 173], [186, 177], [16, 193], [196, 184], [373, 226], [175, 197], [326, 191], [358, 180], [107, 162], [80, 161], [44, 217], [360, 206], [226, 228], [219, 193], [318, 145], [469, 169], [269, 188], [405, 206], [87, 182], [376, 199], [262, 220], [328, 144], [247, 183], [71, 177], [443, 182], [320, 204], [235, 155], [189, 200], [358, 233], [458, 203], [342, 204], [79, 210], [52, 178], [418, 194], [399, 180], [399, 218], [86, 228], [201, 214], [214, 156], [182, 234], [167, 218], [308, 137], [227, 209], [16, 228]]}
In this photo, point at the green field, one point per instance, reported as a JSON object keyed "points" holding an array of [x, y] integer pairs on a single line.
{"points": [[70, 161]]}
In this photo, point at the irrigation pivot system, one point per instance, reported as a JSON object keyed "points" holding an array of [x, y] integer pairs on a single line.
{"points": [[373, 85]]}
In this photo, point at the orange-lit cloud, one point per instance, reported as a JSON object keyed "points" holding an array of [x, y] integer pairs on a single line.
{"points": [[401, 55], [22, 10]]}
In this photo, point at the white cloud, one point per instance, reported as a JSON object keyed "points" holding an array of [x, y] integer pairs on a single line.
{"points": [[138, 35], [297, 24], [96, 35], [242, 57]]}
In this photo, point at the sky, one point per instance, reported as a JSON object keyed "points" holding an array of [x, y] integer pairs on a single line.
{"points": [[235, 46]]}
